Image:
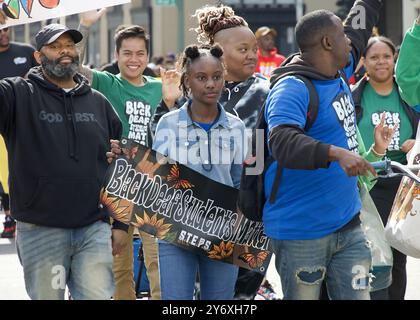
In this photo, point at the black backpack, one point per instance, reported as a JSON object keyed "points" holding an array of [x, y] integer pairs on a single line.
{"points": [[251, 198]]}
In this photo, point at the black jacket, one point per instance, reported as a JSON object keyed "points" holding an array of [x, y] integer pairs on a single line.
{"points": [[57, 144], [288, 142], [357, 93]]}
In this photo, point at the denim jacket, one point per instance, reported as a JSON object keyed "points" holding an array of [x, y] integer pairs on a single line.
{"points": [[217, 154]]}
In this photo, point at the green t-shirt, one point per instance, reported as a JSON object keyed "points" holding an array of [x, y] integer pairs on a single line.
{"points": [[373, 105], [134, 105]]}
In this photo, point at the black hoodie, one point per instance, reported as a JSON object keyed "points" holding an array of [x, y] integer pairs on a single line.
{"points": [[57, 143]]}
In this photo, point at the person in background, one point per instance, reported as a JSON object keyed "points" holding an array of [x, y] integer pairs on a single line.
{"points": [[408, 67], [374, 94], [268, 57], [9, 224], [134, 97], [15, 58], [113, 68]]}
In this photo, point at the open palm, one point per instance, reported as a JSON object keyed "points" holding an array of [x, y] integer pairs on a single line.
{"points": [[89, 18]]}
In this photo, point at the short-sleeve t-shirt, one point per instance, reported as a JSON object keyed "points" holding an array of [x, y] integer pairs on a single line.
{"points": [[134, 105], [373, 105], [17, 60], [311, 204]]}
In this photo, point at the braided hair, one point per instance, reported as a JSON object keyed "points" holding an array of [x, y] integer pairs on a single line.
{"points": [[214, 19], [193, 53]]}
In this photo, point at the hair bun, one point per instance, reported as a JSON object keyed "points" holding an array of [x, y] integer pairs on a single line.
{"points": [[192, 52], [216, 51]]}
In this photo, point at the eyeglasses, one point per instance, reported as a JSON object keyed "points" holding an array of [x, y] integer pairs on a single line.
{"points": [[4, 30]]}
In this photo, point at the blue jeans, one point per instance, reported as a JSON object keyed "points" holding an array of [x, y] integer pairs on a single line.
{"points": [[343, 259], [80, 258], [178, 270]]}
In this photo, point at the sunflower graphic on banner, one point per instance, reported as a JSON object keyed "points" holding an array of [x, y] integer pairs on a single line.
{"points": [[176, 204]]}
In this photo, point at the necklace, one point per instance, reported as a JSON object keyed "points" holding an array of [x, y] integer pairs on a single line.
{"points": [[207, 165]]}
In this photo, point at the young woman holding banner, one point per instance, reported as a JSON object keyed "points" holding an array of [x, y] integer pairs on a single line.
{"points": [[201, 117]]}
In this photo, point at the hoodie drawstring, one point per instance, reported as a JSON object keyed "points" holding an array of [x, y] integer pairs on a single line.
{"points": [[72, 134], [75, 132]]}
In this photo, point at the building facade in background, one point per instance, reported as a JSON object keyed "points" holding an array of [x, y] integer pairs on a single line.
{"points": [[170, 22]]}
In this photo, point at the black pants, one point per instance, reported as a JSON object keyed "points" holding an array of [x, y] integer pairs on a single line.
{"points": [[383, 194]]}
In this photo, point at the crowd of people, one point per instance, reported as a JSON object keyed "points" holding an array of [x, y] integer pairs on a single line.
{"points": [[67, 119]]}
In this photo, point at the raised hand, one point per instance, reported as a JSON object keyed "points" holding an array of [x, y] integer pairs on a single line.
{"points": [[383, 135], [171, 80], [89, 18], [3, 16]]}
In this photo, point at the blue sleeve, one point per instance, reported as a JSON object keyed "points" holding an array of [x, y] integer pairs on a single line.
{"points": [[287, 103]]}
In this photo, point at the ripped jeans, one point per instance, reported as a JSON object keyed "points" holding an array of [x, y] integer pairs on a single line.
{"points": [[343, 259]]}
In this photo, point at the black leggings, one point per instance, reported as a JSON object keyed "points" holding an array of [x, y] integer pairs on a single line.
{"points": [[383, 194]]}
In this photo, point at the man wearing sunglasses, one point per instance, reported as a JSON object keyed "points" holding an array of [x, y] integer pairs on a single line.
{"points": [[15, 58]]}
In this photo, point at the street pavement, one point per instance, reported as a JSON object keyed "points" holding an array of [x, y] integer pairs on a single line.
{"points": [[12, 286]]}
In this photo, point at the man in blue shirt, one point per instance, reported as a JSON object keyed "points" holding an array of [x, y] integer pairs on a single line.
{"points": [[314, 220]]}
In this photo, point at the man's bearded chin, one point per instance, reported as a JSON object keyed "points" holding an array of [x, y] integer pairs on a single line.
{"points": [[55, 70]]}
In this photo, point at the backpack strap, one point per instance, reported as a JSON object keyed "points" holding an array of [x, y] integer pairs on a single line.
{"points": [[313, 105], [311, 115], [276, 184]]}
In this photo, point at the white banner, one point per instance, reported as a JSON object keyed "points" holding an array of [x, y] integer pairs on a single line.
{"points": [[27, 11]]}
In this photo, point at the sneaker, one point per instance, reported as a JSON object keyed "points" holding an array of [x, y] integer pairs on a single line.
{"points": [[9, 229], [266, 292]]}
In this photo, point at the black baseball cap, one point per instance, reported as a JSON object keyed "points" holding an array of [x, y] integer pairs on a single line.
{"points": [[52, 32]]}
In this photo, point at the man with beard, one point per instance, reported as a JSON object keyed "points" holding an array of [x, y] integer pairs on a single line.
{"points": [[57, 130]]}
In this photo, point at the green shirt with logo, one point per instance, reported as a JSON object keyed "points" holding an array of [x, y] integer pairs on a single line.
{"points": [[134, 105], [373, 105]]}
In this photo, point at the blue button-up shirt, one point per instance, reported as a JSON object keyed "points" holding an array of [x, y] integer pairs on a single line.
{"points": [[218, 154]]}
